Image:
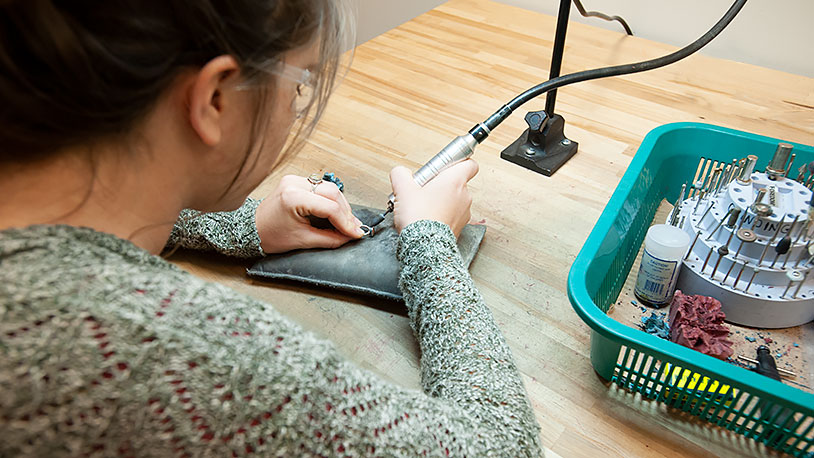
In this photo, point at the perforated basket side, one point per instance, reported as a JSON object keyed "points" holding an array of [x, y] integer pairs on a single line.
{"points": [[748, 404], [734, 407]]}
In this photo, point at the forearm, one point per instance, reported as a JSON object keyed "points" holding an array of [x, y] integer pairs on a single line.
{"points": [[464, 357], [200, 368], [231, 233]]}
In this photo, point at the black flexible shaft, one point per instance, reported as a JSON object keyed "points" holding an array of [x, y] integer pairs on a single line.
{"points": [[481, 131], [604, 16]]}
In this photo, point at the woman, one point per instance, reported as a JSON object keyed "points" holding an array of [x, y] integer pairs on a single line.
{"points": [[117, 115]]}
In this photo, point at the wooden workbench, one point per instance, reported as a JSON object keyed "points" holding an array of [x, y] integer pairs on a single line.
{"points": [[413, 89]]}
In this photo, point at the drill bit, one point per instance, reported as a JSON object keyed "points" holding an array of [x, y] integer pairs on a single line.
{"points": [[793, 275], [733, 170], [766, 248], [745, 236], [805, 252], [782, 371], [728, 271], [745, 175], [754, 272], [706, 260], [722, 252], [692, 245], [697, 188], [800, 285], [711, 204], [803, 229], [720, 223], [693, 188], [784, 244], [677, 207], [791, 162], [738, 278], [733, 219]]}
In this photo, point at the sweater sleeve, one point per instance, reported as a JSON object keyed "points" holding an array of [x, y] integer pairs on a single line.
{"points": [[465, 360], [141, 358], [231, 233]]}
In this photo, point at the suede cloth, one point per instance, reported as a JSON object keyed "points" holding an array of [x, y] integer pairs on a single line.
{"points": [[366, 266]]}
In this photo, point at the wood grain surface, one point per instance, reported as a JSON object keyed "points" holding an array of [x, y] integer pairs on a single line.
{"points": [[411, 90]]}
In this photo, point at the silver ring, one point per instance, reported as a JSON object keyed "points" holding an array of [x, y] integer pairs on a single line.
{"points": [[315, 179], [368, 231]]}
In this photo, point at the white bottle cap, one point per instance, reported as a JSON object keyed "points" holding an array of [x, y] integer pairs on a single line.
{"points": [[666, 242]]}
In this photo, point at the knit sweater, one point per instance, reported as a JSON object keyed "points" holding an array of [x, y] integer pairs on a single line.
{"points": [[107, 350]]}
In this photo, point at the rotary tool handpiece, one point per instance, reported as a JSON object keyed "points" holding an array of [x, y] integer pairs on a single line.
{"points": [[458, 150]]}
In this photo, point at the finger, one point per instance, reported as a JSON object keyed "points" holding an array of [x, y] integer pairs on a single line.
{"points": [[331, 191], [323, 238], [402, 179], [322, 207], [464, 170]]}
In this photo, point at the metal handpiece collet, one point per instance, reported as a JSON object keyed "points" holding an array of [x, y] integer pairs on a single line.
{"points": [[456, 151]]}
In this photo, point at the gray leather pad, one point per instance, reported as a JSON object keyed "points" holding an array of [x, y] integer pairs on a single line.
{"points": [[367, 266]]}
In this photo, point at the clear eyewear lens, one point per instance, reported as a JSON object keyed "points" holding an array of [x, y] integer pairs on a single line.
{"points": [[304, 79]]}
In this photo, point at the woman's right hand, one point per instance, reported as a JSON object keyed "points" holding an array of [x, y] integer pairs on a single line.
{"points": [[445, 198]]}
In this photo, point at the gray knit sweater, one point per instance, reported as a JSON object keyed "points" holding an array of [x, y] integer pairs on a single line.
{"points": [[107, 350]]}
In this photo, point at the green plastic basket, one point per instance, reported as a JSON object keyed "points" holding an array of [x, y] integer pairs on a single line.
{"points": [[734, 398]]}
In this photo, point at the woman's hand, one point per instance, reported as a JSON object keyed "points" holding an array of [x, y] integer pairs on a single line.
{"points": [[445, 198], [282, 217]]}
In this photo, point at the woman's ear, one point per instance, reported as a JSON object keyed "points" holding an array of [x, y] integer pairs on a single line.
{"points": [[205, 100]]}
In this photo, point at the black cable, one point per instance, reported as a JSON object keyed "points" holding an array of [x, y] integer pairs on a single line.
{"points": [[481, 131], [604, 16]]}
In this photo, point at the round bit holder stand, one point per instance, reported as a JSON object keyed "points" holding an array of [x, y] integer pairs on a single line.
{"points": [[754, 289]]}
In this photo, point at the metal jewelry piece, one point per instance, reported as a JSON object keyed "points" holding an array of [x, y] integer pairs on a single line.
{"points": [[368, 231], [315, 179], [330, 176]]}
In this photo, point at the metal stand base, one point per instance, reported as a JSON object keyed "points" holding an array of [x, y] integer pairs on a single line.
{"points": [[543, 147]]}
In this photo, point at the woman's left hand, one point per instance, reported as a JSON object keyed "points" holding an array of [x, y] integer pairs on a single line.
{"points": [[282, 217]]}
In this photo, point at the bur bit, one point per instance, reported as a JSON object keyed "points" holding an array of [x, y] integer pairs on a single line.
{"points": [[784, 244], [699, 185], [677, 207], [692, 245], [698, 171], [754, 272], [733, 219], [766, 249], [800, 285], [745, 236], [791, 162], [732, 171], [720, 223], [781, 248], [713, 183], [803, 255], [711, 204], [728, 271], [722, 252], [745, 176], [793, 275], [707, 259], [803, 229], [738, 278], [777, 166]]}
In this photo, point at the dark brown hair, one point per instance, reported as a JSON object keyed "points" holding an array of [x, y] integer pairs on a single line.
{"points": [[73, 71]]}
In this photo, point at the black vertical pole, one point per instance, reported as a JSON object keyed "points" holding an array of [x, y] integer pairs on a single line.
{"points": [[556, 55]]}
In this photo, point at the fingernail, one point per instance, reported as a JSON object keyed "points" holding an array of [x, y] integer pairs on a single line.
{"points": [[358, 221], [360, 232]]}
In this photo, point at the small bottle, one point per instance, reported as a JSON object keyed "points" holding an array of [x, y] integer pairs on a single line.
{"points": [[664, 246]]}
